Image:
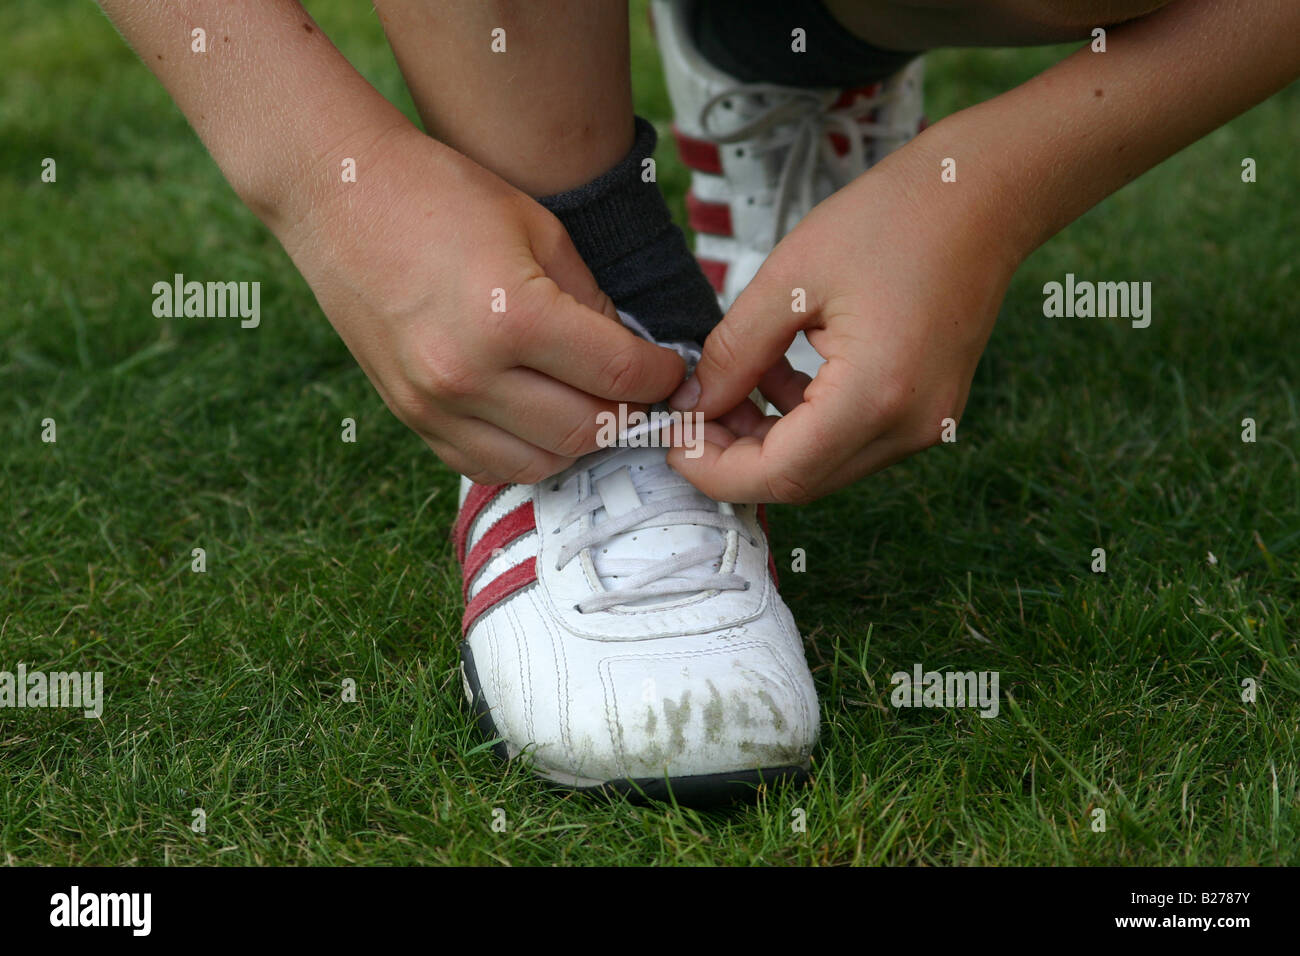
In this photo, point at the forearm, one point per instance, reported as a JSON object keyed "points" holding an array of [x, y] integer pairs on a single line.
{"points": [[273, 100], [1031, 161]]}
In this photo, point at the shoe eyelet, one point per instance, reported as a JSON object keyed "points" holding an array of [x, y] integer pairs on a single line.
{"points": [[740, 151], [746, 585], [726, 104]]}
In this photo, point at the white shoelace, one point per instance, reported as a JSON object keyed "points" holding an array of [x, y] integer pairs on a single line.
{"points": [[652, 579], [802, 121]]}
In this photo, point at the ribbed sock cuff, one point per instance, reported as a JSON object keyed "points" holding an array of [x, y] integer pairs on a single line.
{"points": [[623, 231]]}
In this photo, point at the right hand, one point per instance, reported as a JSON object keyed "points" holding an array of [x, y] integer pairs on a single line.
{"points": [[405, 261]]}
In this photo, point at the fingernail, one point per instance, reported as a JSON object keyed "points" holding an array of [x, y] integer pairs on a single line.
{"points": [[687, 394]]}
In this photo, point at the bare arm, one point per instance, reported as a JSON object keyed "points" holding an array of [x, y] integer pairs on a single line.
{"points": [[1036, 158], [408, 259], [274, 101]]}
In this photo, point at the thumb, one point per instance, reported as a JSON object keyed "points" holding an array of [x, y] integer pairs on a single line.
{"points": [[559, 258], [751, 338]]}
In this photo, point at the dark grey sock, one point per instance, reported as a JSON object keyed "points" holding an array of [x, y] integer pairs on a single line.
{"points": [[751, 40], [623, 231]]}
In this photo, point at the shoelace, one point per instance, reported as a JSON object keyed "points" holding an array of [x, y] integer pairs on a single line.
{"points": [[803, 120], [660, 579]]}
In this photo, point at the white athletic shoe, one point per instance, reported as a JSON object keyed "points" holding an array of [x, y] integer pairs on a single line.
{"points": [[761, 155], [623, 629]]}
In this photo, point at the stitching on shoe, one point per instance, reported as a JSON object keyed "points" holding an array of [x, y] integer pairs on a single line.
{"points": [[525, 672], [494, 665], [803, 704], [561, 683], [545, 610], [611, 714]]}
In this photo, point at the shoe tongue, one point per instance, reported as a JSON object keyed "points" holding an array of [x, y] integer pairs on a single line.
{"points": [[629, 480]]}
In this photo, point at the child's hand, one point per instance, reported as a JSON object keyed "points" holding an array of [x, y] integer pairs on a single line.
{"points": [[904, 274], [408, 263], [902, 288]]}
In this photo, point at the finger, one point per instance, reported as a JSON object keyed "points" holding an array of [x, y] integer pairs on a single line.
{"points": [[752, 426], [880, 454], [763, 427], [690, 442], [751, 338], [877, 456], [795, 456], [489, 455], [783, 385], [585, 349], [558, 256], [548, 414], [743, 419], [719, 435], [712, 470]]}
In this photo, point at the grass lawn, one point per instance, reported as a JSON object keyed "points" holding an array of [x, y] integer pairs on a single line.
{"points": [[326, 561]]}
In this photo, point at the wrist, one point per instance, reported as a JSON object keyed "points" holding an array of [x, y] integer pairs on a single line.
{"points": [[332, 179], [962, 194]]}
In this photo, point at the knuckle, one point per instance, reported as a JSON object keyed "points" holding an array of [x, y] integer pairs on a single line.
{"points": [[892, 402], [785, 488], [603, 304], [526, 303], [529, 298], [575, 442], [622, 373], [446, 380], [529, 472], [462, 464], [721, 349], [502, 330], [411, 406], [549, 236]]}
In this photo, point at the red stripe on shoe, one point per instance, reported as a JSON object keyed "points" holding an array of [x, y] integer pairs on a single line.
{"points": [[849, 96], [840, 142], [504, 585], [478, 498], [771, 558], [513, 525], [715, 271], [698, 154], [711, 217]]}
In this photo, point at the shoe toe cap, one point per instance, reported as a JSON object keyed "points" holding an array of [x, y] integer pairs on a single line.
{"points": [[688, 713]]}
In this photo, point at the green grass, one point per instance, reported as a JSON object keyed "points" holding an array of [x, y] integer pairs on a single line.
{"points": [[327, 561]]}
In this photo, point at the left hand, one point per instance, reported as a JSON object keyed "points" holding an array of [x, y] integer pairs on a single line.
{"points": [[903, 281]]}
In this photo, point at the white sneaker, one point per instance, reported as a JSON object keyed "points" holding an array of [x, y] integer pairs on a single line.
{"points": [[622, 629], [761, 155]]}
